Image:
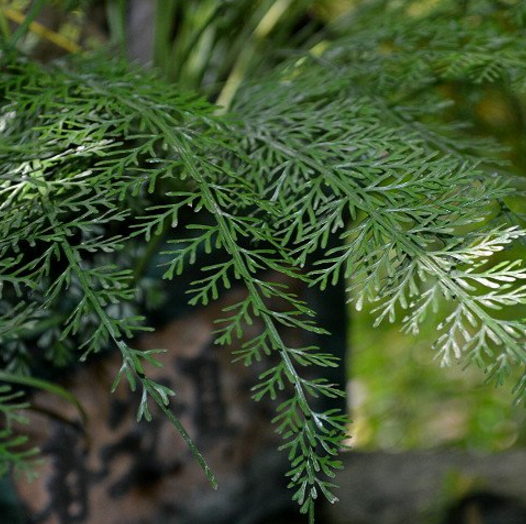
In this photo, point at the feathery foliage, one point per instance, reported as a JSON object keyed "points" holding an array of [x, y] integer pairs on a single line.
{"points": [[343, 143], [11, 445]]}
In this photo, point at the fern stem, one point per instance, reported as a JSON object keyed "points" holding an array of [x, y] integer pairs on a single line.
{"points": [[125, 351], [44, 385], [234, 251]]}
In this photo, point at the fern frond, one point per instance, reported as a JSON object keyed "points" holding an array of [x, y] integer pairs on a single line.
{"points": [[339, 161]]}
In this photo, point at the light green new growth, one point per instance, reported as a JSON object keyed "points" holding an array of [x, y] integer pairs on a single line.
{"points": [[344, 145]]}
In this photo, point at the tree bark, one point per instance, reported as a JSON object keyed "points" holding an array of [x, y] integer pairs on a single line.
{"points": [[430, 487]]}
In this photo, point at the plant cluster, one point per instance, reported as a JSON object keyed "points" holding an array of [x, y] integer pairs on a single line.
{"points": [[341, 151]]}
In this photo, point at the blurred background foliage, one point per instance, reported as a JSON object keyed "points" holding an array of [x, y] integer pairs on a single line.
{"points": [[400, 398]]}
